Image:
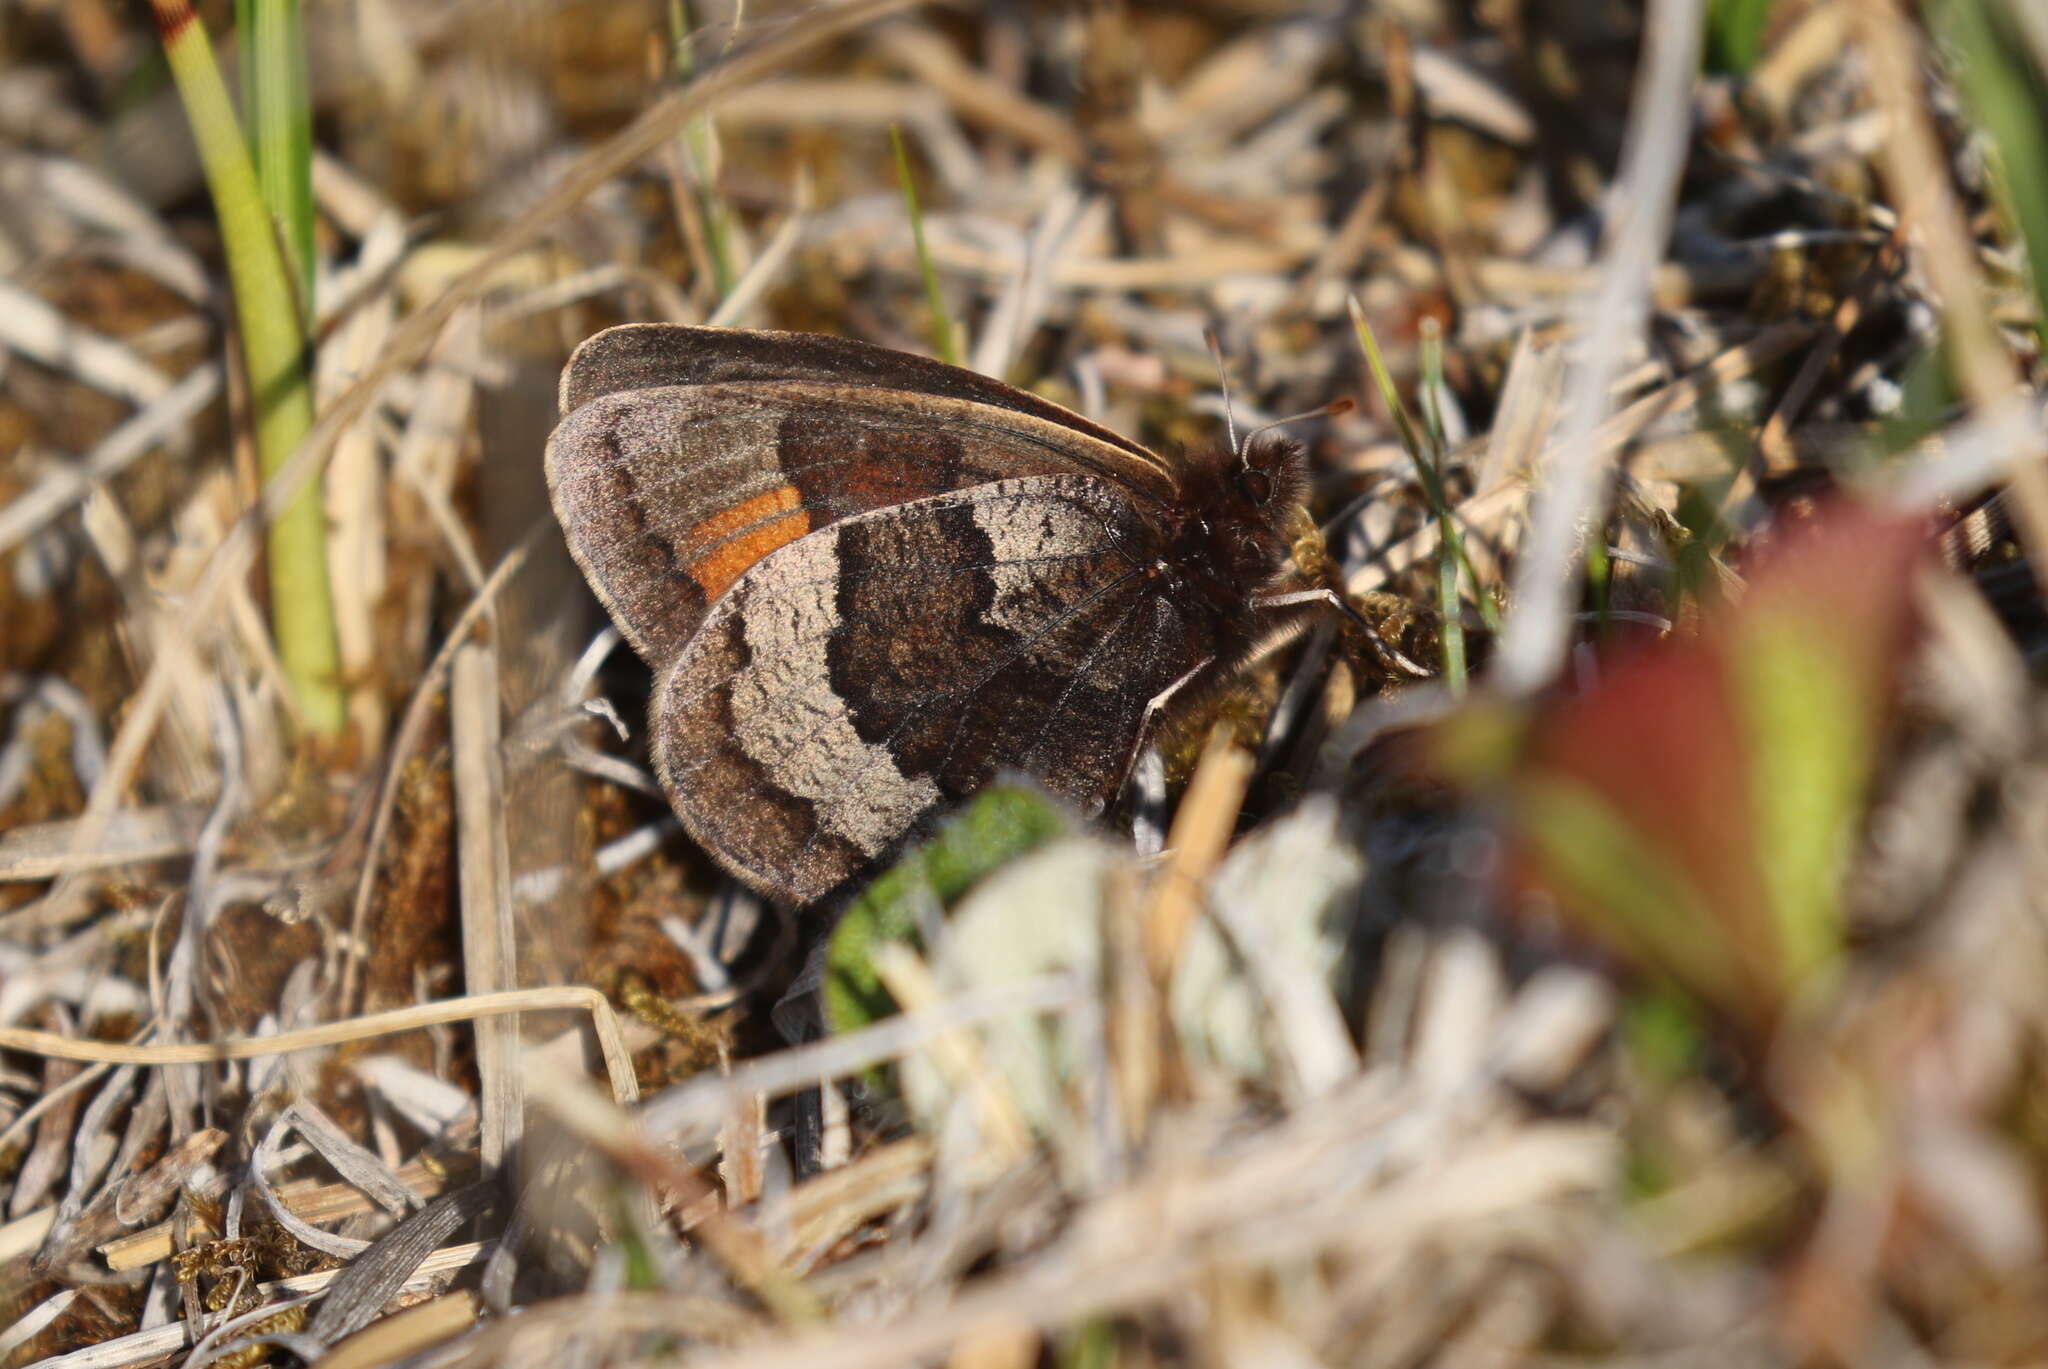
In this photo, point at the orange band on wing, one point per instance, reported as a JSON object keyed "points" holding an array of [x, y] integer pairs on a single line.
{"points": [[743, 534]]}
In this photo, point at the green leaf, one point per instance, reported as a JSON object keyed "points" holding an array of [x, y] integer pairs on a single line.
{"points": [[1735, 33], [1000, 824], [1693, 807], [1628, 893], [1812, 734]]}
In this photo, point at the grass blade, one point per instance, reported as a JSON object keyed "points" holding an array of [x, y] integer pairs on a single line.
{"points": [[273, 347], [1449, 598], [281, 105], [1425, 448], [700, 144], [943, 342]]}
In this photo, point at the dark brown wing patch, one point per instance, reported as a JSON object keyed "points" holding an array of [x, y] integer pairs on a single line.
{"points": [[860, 677], [668, 494]]}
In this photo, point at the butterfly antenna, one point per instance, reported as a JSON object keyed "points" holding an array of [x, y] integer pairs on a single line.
{"points": [[1330, 410], [1223, 382]]}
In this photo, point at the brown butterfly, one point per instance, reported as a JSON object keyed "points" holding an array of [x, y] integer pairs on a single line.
{"points": [[868, 582]]}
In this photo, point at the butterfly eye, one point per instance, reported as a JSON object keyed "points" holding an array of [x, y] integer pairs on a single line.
{"points": [[1256, 485]]}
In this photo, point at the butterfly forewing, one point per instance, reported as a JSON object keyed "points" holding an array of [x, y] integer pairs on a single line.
{"points": [[669, 494], [643, 356], [863, 675]]}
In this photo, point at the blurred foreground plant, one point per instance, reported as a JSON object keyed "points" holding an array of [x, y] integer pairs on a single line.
{"points": [[2001, 48], [1693, 809], [1003, 822]]}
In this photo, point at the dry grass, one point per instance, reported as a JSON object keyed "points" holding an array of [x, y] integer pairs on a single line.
{"points": [[356, 1051]]}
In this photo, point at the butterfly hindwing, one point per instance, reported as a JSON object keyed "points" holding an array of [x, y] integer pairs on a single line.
{"points": [[861, 676], [670, 493]]}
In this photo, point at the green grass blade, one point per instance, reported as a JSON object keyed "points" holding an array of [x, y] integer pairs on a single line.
{"points": [[280, 104], [1450, 599], [943, 341], [245, 57], [1432, 349], [700, 145], [273, 351], [1425, 448], [1735, 34], [1384, 379]]}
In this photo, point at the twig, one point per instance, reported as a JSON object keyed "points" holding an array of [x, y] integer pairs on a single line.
{"points": [[611, 1042], [484, 862], [37, 331], [49, 850], [700, 1106], [1536, 633], [1201, 830], [27, 513]]}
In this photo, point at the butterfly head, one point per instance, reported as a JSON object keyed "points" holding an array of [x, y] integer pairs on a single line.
{"points": [[1241, 501], [1237, 508]]}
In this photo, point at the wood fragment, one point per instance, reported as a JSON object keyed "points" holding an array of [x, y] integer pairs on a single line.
{"points": [[484, 859], [1201, 829], [406, 1333], [47, 850]]}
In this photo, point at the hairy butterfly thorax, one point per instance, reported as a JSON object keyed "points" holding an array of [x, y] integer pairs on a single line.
{"points": [[1231, 533]]}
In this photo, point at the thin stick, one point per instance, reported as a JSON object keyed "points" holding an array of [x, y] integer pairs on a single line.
{"points": [[1917, 175], [1535, 635], [702, 1103], [484, 857], [611, 1041], [1201, 830]]}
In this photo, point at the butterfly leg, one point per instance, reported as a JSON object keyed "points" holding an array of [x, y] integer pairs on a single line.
{"points": [[1389, 654], [1150, 717]]}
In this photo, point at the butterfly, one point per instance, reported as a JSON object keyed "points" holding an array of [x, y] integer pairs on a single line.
{"points": [[869, 582]]}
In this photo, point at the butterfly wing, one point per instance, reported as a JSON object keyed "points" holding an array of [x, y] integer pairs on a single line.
{"points": [[861, 676], [669, 493], [647, 356]]}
